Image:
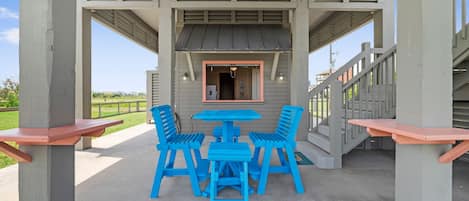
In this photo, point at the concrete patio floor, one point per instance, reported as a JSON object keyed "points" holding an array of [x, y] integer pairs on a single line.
{"points": [[120, 167]]}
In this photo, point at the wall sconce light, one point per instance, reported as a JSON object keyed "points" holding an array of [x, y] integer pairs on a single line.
{"points": [[233, 71], [281, 77], [185, 76]]}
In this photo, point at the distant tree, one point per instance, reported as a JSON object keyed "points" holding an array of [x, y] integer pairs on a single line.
{"points": [[9, 92]]}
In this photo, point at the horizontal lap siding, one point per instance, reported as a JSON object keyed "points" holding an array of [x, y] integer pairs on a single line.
{"points": [[188, 94]]}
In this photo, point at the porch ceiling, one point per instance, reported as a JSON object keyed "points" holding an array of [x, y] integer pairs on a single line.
{"points": [[317, 17], [228, 37], [150, 16]]}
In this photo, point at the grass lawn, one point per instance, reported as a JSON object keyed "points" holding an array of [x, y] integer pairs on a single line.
{"points": [[9, 120], [130, 120]]}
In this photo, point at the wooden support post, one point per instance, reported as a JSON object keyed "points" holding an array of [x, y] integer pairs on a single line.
{"points": [[166, 56], [83, 71], [47, 93], [335, 123], [99, 110], [300, 57], [424, 97]]}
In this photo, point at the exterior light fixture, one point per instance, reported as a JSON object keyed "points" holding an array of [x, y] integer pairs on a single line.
{"points": [[233, 71], [185, 76], [281, 77], [233, 68]]}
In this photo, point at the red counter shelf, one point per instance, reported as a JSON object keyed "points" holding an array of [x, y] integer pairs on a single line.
{"points": [[64, 135], [406, 134]]}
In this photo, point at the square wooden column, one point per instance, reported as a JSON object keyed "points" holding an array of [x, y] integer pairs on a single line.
{"points": [[383, 29], [83, 71], [47, 94], [424, 96], [300, 60], [166, 53], [384, 36]]}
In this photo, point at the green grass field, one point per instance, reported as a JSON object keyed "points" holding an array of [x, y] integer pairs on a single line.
{"points": [[130, 120], [9, 120]]}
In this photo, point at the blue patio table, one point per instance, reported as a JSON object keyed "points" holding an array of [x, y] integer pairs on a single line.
{"points": [[228, 117]]}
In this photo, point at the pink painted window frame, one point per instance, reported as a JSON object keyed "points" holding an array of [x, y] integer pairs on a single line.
{"points": [[204, 80]]}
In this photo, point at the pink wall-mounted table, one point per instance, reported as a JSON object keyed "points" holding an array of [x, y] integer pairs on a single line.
{"points": [[406, 134], [64, 135]]}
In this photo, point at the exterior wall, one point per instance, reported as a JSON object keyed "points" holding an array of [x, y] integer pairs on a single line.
{"points": [[462, 94], [188, 94]]}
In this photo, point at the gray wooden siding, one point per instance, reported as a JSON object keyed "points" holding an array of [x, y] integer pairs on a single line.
{"points": [[462, 94], [188, 94], [153, 89]]}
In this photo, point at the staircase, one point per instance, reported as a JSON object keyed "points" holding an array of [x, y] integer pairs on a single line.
{"points": [[362, 88], [365, 88], [461, 114], [461, 70]]}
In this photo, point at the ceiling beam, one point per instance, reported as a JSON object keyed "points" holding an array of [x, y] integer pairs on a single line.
{"points": [[346, 6], [190, 65], [273, 74], [232, 5], [129, 25], [119, 4], [336, 26]]}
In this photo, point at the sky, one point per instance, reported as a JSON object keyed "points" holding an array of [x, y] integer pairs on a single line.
{"points": [[119, 64], [345, 48]]}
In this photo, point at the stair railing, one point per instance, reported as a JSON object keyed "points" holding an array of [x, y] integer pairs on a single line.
{"points": [[370, 94], [319, 96], [362, 88], [460, 26]]}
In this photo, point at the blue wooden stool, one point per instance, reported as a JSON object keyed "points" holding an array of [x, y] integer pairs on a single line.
{"points": [[218, 133], [236, 154]]}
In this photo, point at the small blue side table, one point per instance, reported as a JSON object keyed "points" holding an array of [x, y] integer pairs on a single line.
{"points": [[237, 154]]}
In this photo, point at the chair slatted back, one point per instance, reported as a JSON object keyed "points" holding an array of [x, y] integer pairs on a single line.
{"points": [[290, 118], [164, 122]]}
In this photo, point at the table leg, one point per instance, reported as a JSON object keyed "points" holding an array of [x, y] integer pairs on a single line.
{"points": [[228, 130]]}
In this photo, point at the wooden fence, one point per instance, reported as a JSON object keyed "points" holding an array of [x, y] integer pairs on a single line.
{"points": [[8, 109], [100, 110]]}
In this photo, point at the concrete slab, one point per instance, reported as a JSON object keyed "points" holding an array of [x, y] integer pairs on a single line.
{"points": [[121, 168]]}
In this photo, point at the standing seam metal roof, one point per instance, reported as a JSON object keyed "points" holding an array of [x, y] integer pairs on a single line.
{"points": [[234, 37]]}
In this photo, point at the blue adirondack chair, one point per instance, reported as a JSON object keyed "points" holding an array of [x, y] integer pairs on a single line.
{"points": [[282, 139], [172, 141]]}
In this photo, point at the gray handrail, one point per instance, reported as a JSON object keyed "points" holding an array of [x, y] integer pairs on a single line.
{"points": [[339, 72], [380, 59]]}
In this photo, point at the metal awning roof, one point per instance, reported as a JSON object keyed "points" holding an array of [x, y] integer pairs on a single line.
{"points": [[233, 37]]}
